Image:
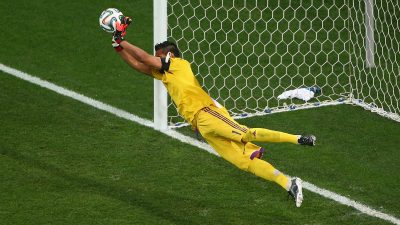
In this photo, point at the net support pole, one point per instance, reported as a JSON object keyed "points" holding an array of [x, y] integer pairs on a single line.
{"points": [[160, 26], [369, 34]]}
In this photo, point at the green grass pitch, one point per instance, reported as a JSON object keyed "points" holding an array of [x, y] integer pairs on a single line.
{"points": [[62, 162]]}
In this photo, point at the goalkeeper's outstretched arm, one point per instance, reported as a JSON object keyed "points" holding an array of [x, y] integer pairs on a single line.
{"points": [[134, 63], [136, 57], [141, 55]]}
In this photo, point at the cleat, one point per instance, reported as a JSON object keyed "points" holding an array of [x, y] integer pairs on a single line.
{"points": [[307, 140], [257, 154], [296, 191]]}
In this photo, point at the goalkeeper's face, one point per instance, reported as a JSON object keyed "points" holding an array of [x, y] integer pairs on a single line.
{"points": [[160, 53]]}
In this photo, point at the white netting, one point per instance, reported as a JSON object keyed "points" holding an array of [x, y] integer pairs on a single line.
{"points": [[246, 53], [376, 84]]}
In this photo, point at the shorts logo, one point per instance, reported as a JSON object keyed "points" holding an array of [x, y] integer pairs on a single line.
{"points": [[235, 132]]}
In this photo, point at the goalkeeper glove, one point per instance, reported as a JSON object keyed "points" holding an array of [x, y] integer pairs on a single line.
{"points": [[120, 32]]}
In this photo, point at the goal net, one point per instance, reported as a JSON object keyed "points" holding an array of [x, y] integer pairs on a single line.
{"points": [[374, 28], [246, 53]]}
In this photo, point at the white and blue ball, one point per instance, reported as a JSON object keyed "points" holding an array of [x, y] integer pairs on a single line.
{"points": [[108, 18]]}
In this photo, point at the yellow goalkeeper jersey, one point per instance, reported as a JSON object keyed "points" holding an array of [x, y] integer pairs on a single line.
{"points": [[183, 87]]}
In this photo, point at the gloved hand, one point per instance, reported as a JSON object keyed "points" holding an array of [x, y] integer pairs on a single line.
{"points": [[120, 29], [120, 32]]}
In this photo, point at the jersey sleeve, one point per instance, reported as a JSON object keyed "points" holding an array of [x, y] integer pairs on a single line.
{"points": [[175, 64], [156, 74], [167, 65]]}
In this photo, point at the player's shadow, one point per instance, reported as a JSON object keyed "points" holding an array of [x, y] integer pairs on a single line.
{"points": [[132, 197]]}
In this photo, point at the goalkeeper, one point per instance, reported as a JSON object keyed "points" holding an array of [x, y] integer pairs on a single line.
{"points": [[230, 139]]}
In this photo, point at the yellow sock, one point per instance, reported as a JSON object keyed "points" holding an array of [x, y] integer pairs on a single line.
{"points": [[265, 135], [265, 170]]}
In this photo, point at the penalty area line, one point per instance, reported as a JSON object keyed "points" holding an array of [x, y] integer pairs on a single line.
{"points": [[185, 139]]}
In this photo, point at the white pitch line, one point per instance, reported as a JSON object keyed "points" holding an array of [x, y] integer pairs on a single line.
{"points": [[76, 96], [176, 135]]}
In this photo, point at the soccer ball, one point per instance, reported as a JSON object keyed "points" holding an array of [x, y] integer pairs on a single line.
{"points": [[108, 18]]}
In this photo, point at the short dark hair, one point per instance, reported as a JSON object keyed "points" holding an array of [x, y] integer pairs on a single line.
{"points": [[168, 46]]}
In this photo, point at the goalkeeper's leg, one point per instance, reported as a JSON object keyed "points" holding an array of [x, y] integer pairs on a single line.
{"points": [[243, 156], [218, 121], [265, 170], [265, 135], [240, 154]]}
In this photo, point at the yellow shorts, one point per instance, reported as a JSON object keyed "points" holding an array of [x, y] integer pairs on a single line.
{"points": [[224, 134]]}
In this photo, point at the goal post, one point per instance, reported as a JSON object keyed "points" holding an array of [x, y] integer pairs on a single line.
{"points": [[246, 53], [160, 27], [369, 33]]}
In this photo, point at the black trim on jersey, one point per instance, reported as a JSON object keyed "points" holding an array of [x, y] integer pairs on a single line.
{"points": [[165, 63]]}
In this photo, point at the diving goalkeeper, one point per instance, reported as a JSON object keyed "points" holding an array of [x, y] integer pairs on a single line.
{"points": [[231, 140]]}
